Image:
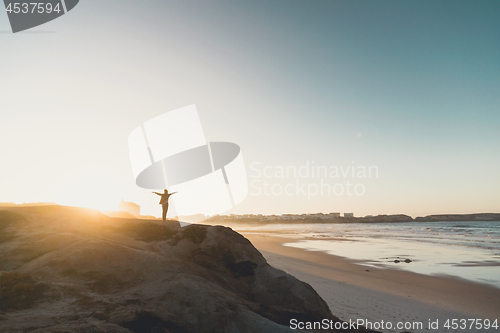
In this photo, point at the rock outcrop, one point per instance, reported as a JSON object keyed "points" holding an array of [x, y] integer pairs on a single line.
{"points": [[93, 273], [385, 218]]}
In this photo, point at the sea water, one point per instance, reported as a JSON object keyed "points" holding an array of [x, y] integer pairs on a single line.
{"points": [[469, 250]]}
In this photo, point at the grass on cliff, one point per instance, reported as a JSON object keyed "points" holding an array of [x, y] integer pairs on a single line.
{"points": [[147, 231], [153, 232], [7, 219], [18, 291]]}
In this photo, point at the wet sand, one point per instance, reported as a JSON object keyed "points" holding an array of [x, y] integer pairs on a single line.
{"points": [[354, 291]]}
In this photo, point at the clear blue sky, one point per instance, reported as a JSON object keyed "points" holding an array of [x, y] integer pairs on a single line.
{"points": [[410, 87]]}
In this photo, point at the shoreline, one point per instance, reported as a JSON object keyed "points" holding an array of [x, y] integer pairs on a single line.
{"points": [[354, 291]]}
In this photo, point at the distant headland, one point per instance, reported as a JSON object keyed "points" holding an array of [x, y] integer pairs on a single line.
{"points": [[347, 218], [298, 218]]}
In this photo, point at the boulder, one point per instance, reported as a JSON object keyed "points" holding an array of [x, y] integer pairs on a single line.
{"points": [[103, 274]]}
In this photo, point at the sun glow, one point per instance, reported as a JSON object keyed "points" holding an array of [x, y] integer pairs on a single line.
{"points": [[92, 187]]}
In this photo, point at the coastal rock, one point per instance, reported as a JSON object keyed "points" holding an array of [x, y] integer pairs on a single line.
{"points": [[384, 218], [102, 274]]}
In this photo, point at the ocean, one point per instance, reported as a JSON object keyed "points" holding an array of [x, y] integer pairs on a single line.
{"points": [[468, 250]]}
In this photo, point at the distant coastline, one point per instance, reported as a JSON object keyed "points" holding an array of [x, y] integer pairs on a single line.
{"points": [[335, 218], [302, 218]]}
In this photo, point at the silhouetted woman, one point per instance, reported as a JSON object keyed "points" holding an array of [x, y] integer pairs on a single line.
{"points": [[164, 202]]}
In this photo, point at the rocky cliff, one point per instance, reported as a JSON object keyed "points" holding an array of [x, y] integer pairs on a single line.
{"points": [[74, 270]]}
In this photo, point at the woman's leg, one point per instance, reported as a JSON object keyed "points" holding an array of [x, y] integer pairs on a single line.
{"points": [[165, 210]]}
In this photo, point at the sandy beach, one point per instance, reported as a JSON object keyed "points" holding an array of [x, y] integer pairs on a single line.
{"points": [[354, 291]]}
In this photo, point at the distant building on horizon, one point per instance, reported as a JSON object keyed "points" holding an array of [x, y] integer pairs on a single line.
{"points": [[129, 207], [348, 214]]}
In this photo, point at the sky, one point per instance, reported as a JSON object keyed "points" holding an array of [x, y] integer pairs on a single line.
{"points": [[410, 88]]}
